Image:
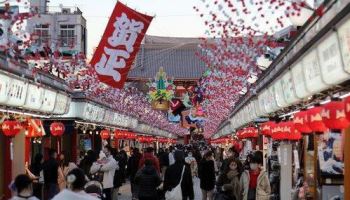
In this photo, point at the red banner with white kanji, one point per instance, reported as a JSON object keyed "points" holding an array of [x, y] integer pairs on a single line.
{"points": [[119, 45]]}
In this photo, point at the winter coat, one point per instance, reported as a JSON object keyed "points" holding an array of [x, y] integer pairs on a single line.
{"points": [[231, 184], [206, 174], [108, 170], [148, 180], [263, 189], [50, 171], [172, 179], [133, 166], [68, 194], [150, 156]]}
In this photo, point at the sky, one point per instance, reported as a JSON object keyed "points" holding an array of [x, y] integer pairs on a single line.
{"points": [[173, 17]]}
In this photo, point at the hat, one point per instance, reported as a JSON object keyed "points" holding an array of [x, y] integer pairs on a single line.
{"points": [[179, 155]]}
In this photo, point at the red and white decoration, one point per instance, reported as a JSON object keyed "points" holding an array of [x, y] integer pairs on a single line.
{"points": [[11, 128], [57, 129]]}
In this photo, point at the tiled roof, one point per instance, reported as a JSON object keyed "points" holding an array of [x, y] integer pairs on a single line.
{"points": [[175, 55]]}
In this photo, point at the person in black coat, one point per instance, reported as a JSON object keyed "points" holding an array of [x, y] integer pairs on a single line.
{"points": [[173, 175], [50, 175], [133, 165], [36, 168], [148, 180], [206, 173]]}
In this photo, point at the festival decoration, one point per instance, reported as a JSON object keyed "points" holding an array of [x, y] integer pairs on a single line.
{"points": [[105, 134], [34, 128], [57, 129], [315, 121], [120, 43], [161, 91], [333, 115], [300, 121], [347, 107], [11, 128], [266, 128]]}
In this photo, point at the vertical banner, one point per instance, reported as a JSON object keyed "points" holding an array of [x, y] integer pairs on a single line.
{"points": [[119, 45]]}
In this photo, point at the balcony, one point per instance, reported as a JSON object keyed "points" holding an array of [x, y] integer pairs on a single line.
{"points": [[67, 41]]}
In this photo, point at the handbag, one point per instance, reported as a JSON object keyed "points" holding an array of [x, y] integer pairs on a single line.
{"points": [[176, 192]]}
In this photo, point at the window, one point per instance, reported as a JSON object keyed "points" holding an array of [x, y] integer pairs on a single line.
{"points": [[42, 32], [67, 35]]}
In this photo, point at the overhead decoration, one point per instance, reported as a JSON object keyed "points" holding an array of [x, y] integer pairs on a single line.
{"points": [[315, 121], [35, 128], [300, 121], [57, 129], [119, 45], [333, 115], [161, 91], [105, 134], [267, 127], [11, 128]]}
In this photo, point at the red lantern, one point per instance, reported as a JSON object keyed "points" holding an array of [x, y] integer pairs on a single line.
{"points": [[276, 132], [11, 128], [35, 128], [266, 128], [333, 115], [104, 134], [347, 107], [252, 132], [315, 121], [301, 122], [57, 128]]}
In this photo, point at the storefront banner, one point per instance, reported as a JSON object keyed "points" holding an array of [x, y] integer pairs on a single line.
{"points": [[299, 81], [4, 87], [312, 71], [119, 45], [61, 104], [100, 113], [88, 111], [344, 41], [108, 118], [34, 98], [262, 102], [48, 101], [278, 91], [17, 93], [331, 64], [288, 88]]}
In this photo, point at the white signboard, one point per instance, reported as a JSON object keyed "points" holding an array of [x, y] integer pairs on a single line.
{"points": [[262, 102], [344, 40], [4, 87], [312, 71], [48, 101], [271, 105], [299, 81], [331, 64], [34, 98], [288, 88], [17, 93], [61, 104], [279, 95]]}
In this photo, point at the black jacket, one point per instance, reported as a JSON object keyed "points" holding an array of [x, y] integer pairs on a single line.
{"points": [[50, 171], [133, 166], [148, 180], [206, 173], [172, 178]]}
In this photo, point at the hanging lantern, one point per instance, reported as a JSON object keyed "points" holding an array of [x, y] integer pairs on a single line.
{"points": [[252, 132], [11, 128], [266, 128], [276, 132], [35, 128], [104, 134], [347, 107], [333, 115], [57, 128], [315, 121], [300, 121]]}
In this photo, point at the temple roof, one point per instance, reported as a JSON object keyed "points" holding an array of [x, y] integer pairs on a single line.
{"points": [[175, 55]]}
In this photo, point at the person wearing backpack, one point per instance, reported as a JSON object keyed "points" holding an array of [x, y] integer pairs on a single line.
{"points": [[178, 183]]}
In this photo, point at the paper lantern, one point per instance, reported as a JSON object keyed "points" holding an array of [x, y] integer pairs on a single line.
{"points": [[11, 128], [300, 121], [104, 134], [266, 128], [347, 107], [57, 128], [252, 132], [315, 121], [333, 115], [276, 132]]}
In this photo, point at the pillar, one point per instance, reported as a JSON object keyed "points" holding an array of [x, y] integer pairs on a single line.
{"points": [[286, 171], [347, 164]]}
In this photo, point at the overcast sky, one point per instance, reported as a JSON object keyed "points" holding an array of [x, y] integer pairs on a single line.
{"points": [[173, 17]]}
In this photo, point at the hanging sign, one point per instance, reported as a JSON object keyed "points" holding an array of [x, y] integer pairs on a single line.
{"points": [[278, 91], [289, 88], [61, 104], [344, 41], [331, 64], [34, 98], [4, 87], [119, 45], [299, 80], [48, 101], [17, 93]]}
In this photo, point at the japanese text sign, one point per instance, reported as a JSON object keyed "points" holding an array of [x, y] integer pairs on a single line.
{"points": [[119, 45]]}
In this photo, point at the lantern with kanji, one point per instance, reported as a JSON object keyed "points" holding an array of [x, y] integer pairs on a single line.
{"points": [[11, 128], [277, 132], [300, 121], [315, 121], [104, 134], [252, 132], [57, 129], [333, 115], [266, 128]]}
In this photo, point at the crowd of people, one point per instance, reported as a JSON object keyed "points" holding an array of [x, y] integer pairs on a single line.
{"points": [[168, 173]]}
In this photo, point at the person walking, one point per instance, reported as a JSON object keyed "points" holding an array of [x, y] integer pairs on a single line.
{"points": [[191, 161], [107, 165], [75, 187], [150, 156], [87, 162], [206, 172], [164, 161], [256, 184], [23, 188], [37, 169], [65, 166], [132, 168], [229, 182], [50, 169], [148, 180], [173, 176]]}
